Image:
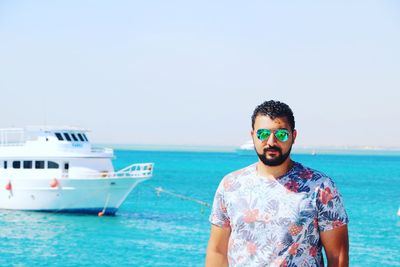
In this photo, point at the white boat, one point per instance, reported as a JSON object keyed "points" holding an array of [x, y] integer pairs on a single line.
{"points": [[56, 169], [246, 149]]}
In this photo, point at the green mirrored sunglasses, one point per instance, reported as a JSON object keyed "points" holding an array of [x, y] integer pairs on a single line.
{"points": [[280, 134]]}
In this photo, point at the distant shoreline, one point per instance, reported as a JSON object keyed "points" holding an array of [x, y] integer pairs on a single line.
{"points": [[233, 149]]}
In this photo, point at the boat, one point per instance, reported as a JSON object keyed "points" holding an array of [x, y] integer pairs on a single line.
{"points": [[246, 149], [56, 169]]}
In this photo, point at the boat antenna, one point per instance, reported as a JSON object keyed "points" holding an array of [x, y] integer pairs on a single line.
{"points": [[44, 99]]}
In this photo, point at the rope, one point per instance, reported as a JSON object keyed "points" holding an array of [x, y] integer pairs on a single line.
{"points": [[105, 205], [160, 190]]}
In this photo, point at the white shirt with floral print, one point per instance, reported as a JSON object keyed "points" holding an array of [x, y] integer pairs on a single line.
{"points": [[276, 222]]}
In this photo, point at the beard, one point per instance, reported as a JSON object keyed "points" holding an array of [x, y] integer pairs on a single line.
{"points": [[274, 161]]}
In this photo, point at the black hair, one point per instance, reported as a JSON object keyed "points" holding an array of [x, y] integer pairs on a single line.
{"points": [[274, 109]]}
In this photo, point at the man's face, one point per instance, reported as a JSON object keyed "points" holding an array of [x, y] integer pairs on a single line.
{"points": [[272, 151]]}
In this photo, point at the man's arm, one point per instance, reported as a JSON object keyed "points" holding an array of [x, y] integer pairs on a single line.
{"points": [[336, 245], [217, 250]]}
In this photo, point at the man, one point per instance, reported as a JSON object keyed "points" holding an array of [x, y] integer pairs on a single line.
{"points": [[277, 212]]}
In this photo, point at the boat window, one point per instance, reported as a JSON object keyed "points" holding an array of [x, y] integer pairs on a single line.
{"points": [[66, 166], [80, 137], [39, 164], [67, 136], [84, 136], [52, 165], [16, 164], [27, 164], [5, 165], [74, 137], [59, 136]]}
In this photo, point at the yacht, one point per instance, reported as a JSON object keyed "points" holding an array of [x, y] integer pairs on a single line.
{"points": [[56, 169], [246, 149]]}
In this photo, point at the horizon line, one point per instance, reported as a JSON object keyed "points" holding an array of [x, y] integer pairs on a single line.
{"points": [[314, 150]]}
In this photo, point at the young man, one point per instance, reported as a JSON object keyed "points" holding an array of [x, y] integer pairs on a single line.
{"points": [[277, 212]]}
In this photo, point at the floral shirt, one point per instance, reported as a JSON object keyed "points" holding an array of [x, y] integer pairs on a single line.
{"points": [[276, 222]]}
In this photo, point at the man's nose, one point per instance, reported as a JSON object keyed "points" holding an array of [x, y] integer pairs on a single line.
{"points": [[271, 140]]}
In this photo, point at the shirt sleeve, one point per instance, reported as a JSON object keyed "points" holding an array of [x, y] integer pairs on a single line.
{"points": [[331, 211], [219, 214]]}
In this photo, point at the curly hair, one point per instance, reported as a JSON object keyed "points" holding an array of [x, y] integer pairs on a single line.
{"points": [[274, 109]]}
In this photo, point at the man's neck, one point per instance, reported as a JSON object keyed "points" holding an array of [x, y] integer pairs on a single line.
{"points": [[274, 171]]}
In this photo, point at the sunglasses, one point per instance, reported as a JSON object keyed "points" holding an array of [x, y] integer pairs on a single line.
{"points": [[280, 134]]}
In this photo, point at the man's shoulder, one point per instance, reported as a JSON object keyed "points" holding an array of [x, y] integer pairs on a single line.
{"points": [[248, 170], [233, 181], [310, 174]]}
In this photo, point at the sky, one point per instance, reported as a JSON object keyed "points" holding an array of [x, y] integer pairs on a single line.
{"points": [[192, 72]]}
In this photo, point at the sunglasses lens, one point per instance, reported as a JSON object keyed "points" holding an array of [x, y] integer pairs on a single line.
{"points": [[282, 135], [263, 134]]}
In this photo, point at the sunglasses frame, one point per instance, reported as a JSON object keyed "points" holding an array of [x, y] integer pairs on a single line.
{"points": [[275, 132]]}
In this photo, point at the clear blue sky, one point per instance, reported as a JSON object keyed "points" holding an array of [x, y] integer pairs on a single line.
{"points": [[191, 72]]}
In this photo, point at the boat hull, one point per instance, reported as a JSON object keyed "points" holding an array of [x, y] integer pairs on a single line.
{"points": [[89, 196]]}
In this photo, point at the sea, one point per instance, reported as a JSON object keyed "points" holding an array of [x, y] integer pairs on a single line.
{"points": [[171, 227]]}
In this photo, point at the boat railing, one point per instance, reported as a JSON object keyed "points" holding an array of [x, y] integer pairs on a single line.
{"points": [[12, 137], [102, 150], [136, 170], [6, 144]]}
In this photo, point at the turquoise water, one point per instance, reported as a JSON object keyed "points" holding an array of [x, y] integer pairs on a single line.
{"points": [[151, 230]]}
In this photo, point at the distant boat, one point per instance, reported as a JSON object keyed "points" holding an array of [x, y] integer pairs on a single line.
{"points": [[56, 169], [246, 149]]}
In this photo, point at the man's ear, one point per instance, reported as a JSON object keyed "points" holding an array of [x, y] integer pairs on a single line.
{"points": [[294, 134]]}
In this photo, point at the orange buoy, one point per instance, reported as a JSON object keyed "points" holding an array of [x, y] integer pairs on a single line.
{"points": [[54, 183], [100, 214], [9, 186]]}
